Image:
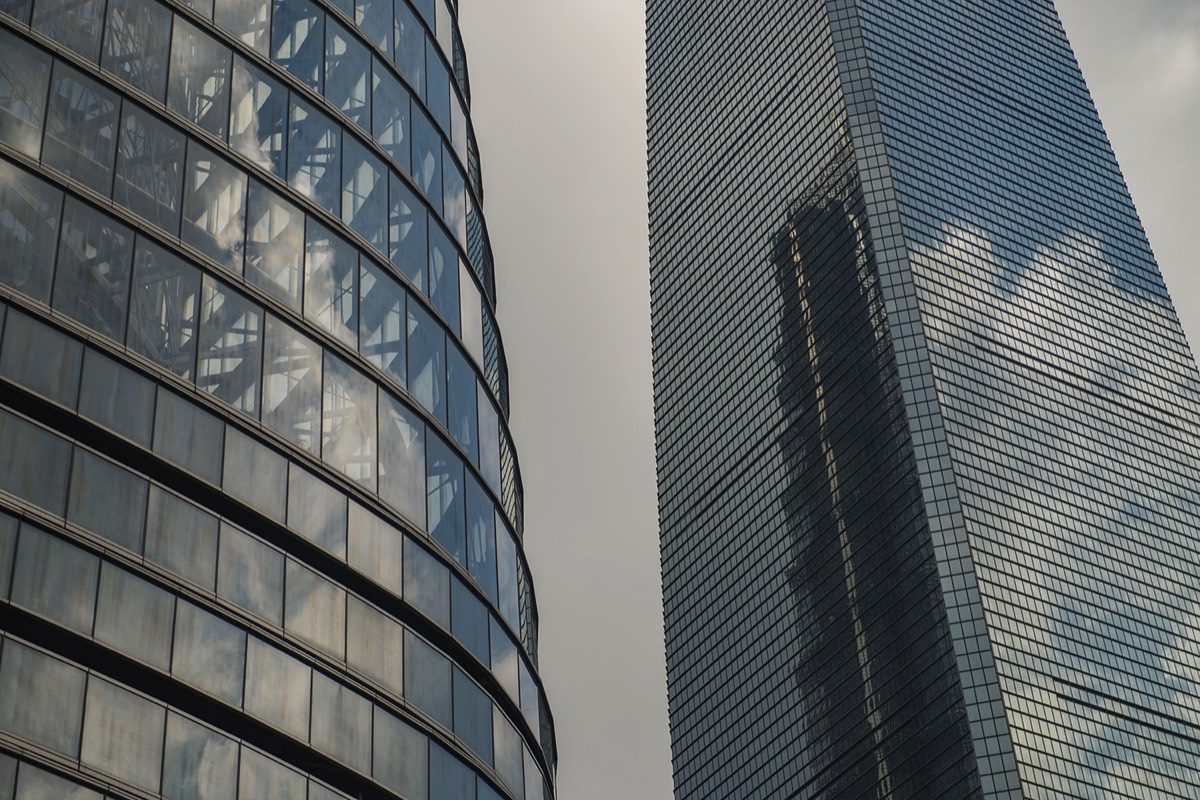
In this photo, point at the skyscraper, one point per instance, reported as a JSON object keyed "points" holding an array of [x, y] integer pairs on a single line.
{"points": [[926, 418], [260, 511]]}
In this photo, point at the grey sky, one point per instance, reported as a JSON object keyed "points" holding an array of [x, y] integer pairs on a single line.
{"points": [[558, 104]]}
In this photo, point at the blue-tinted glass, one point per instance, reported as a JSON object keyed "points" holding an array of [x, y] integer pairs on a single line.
{"points": [[24, 84], [91, 284], [481, 537], [230, 357], [348, 75], [349, 417], [291, 400], [81, 128], [198, 87], [247, 20], [314, 152], [163, 308], [29, 217], [364, 193], [149, 179], [391, 117], [469, 623], [437, 95], [426, 361], [410, 47], [382, 320], [446, 498], [298, 40], [473, 715], [331, 282], [258, 117], [75, 25], [461, 402], [374, 18], [427, 158], [214, 207], [443, 276], [408, 238], [137, 36], [427, 682], [274, 244], [449, 778], [402, 458]]}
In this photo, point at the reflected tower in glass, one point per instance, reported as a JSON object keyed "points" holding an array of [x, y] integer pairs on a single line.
{"points": [[928, 444], [260, 511]]}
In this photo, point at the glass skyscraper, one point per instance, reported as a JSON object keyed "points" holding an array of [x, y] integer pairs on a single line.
{"points": [[260, 511], [928, 444]]}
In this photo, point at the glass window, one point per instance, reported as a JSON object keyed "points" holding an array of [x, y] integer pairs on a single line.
{"points": [[181, 538], [374, 17], [534, 785], [274, 244], [445, 27], [446, 501], [41, 699], [258, 117], [426, 583], [56, 580], [214, 208], [470, 305], [292, 385], [29, 216], [402, 459], [489, 441], [8, 545], [37, 784], [75, 24], [347, 75], [315, 610], [298, 40], [410, 47], [472, 715], [149, 180], [198, 763], [331, 282], [24, 83], [481, 538], [381, 319], [487, 792], [247, 20], [427, 680], [250, 574], [427, 158], [341, 723], [509, 761], [375, 645], [391, 116], [401, 757], [454, 200], [255, 474], [529, 695], [81, 129], [317, 511], [230, 358], [314, 149], [17, 9], [443, 275], [41, 358], [458, 128], [437, 85], [134, 616], [506, 574], [426, 361], [123, 735], [33, 463], [449, 778], [136, 38], [278, 688], [198, 87], [376, 549], [162, 314], [408, 236], [8, 776], [107, 500], [188, 437], [364, 193], [470, 620], [349, 417], [209, 653], [462, 405], [91, 284], [116, 397], [504, 661], [265, 778]]}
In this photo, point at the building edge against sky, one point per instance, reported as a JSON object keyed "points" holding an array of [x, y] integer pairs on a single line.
{"points": [[260, 511], [926, 420]]}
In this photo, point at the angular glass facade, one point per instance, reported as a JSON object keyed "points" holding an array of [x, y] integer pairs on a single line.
{"points": [[260, 511], [927, 422]]}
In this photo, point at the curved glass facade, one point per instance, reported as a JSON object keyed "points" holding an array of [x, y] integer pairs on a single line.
{"points": [[260, 511]]}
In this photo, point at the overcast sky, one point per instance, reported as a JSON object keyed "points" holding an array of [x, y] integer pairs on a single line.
{"points": [[558, 104]]}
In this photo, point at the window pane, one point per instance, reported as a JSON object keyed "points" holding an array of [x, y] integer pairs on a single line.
{"points": [[298, 40], [391, 116], [258, 119], [91, 284], [75, 24], [33, 463], [374, 17], [489, 441], [278, 688], [331, 282], [364, 193], [449, 778], [427, 680], [506, 573], [209, 653], [509, 760], [214, 208], [24, 83], [198, 88], [56, 580], [314, 149], [427, 158], [530, 695], [376, 549], [472, 716], [471, 313], [426, 361], [504, 661], [255, 474], [247, 20], [264, 778], [8, 776], [426, 583], [199, 763], [375, 645], [136, 38], [402, 459], [17, 9], [292, 385], [481, 537], [470, 620], [534, 786], [443, 275], [134, 616], [188, 437], [250, 574], [29, 216], [341, 723], [315, 610], [107, 500], [401, 757], [149, 179], [8, 546], [81, 129], [349, 417], [408, 237], [437, 90], [37, 784], [182, 538], [41, 699], [274, 244], [230, 346], [462, 404], [41, 358], [347, 75], [410, 47], [317, 511], [454, 200], [381, 320], [447, 504], [123, 735], [162, 315], [116, 397]]}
